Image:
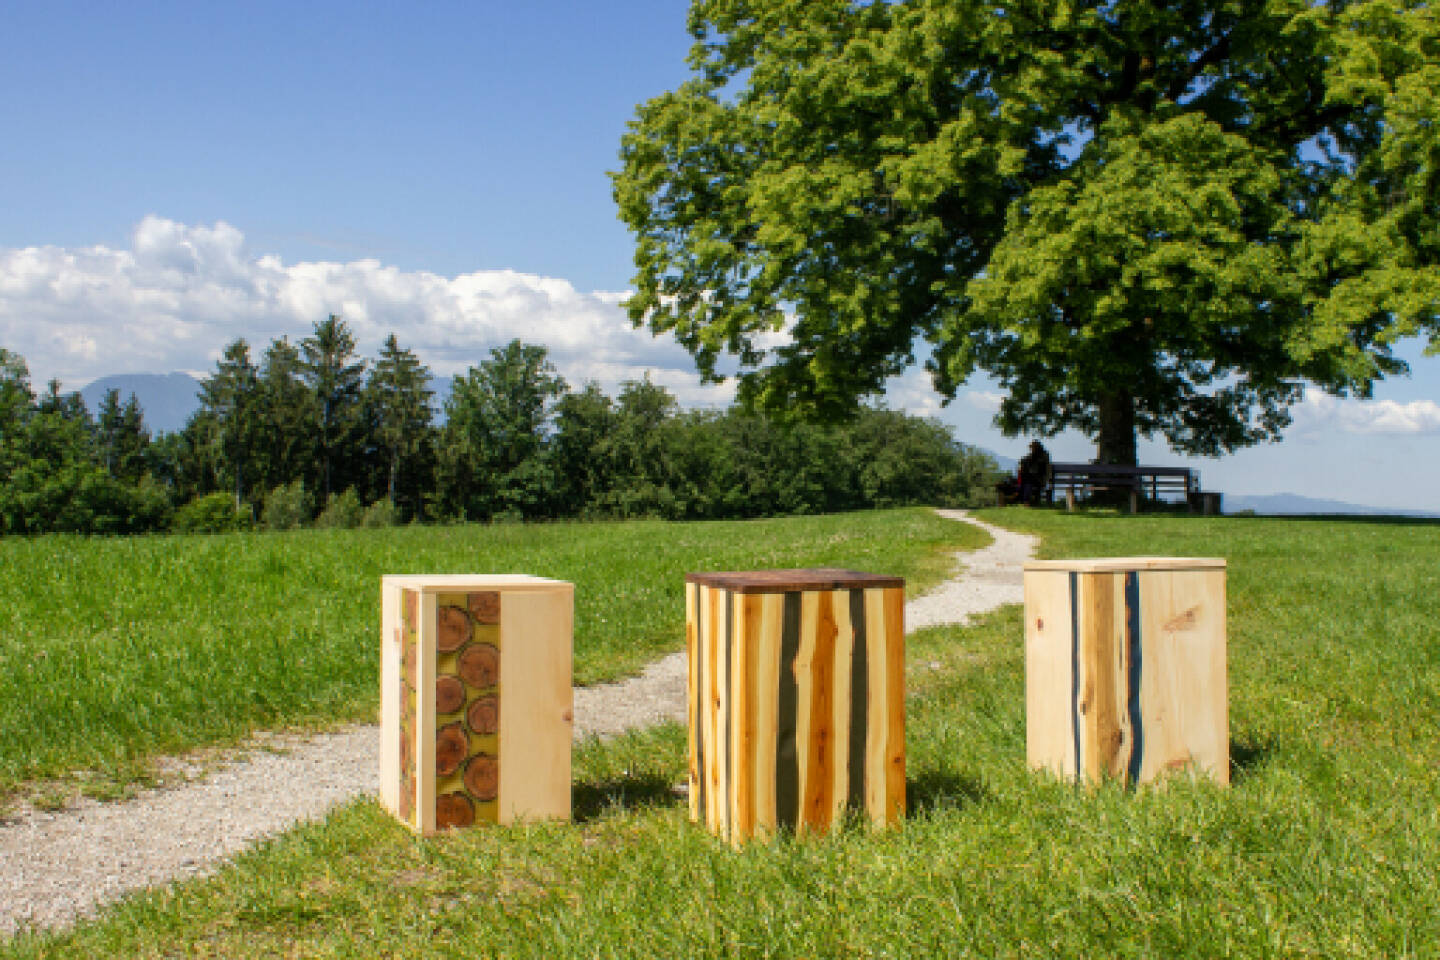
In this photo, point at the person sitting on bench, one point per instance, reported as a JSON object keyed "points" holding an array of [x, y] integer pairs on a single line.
{"points": [[1034, 473]]}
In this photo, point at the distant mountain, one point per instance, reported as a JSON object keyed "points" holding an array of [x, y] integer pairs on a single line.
{"points": [[1290, 504], [167, 399], [1006, 464]]}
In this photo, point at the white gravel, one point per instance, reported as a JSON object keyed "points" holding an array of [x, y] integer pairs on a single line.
{"points": [[991, 578], [58, 866]]}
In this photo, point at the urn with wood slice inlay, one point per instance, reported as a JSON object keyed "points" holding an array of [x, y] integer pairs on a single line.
{"points": [[475, 699], [1125, 674], [796, 699]]}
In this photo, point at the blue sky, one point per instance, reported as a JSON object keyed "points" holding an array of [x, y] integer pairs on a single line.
{"points": [[177, 175]]}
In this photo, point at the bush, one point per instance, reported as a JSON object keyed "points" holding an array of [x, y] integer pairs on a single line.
{"points": [[381, 513], [212, 513], [287, 506], [150, 506], [341, 510]]}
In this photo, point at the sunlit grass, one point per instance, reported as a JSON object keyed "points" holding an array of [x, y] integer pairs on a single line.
{"points": [[114, 650], [1326, 843]]}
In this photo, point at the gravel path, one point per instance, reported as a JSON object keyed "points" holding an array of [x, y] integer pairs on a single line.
{"points": [[57, 866]]}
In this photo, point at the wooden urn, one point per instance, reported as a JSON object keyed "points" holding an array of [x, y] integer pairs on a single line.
{"points": [[475, 699], [796, 699]]}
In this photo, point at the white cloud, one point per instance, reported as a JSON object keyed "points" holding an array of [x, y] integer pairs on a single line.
{"points": [[987, 400], [181, 293], [914, 392], [1321, 413]]}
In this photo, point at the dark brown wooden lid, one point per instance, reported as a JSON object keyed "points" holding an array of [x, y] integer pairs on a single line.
{"points": [[784, 581]]}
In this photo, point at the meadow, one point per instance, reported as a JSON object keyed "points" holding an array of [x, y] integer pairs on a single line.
{"points": [[116, 649], [1324, 845]]}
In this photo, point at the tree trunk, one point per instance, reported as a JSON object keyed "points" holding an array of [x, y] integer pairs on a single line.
{"points": [[1116, 441]]}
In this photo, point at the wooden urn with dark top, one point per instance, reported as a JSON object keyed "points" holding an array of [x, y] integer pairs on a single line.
{"points": [[1125, 674], [475, 699], [796, 699]]}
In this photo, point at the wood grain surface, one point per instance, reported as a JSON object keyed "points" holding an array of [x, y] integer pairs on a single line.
{"points": [[1125, 670], [796, 707]]}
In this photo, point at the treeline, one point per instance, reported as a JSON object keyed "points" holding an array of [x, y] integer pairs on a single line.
{"points": [[312, 433]]}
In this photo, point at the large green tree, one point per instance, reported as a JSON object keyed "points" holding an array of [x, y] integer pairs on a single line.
{"points": [[1140, 218], [493, 454], [582, 450]]}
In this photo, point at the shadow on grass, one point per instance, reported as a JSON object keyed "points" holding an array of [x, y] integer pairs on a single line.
{"points": [[1248, 756], [589, 800], [941, 790], [932, 790], [1369, 519]]}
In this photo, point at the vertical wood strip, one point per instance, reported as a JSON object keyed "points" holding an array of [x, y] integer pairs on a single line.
{"points": [[805, 704], [877, 730], [1182, 681], [712, 707], [692, 681], [535, 729], [1101, 701], [1218, 705], [1120, 666], [1075, 671], [787, 759], [767, 708], [391, 696], [1133, 676], [723, 753], [838, 689], [748, 615], [859, 705], [425, 714], [894, 705], [1049, 736]]}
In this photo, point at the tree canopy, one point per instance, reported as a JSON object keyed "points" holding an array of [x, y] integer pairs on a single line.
{"points": [[1140, 218]]}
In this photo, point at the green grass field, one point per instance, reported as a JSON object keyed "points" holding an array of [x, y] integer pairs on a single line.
{"points": [[1326, 844], [113, 650]]}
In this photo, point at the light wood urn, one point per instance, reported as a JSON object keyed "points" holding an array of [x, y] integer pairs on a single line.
{"points": [[475, 699], [1125, 673]]}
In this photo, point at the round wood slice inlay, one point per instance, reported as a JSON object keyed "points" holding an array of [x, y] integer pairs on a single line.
{"points": [[451, 746], [449, 694], [485, 607], [484, 715], [453, 810], [482, 776], [452, 629], [479, 665]]}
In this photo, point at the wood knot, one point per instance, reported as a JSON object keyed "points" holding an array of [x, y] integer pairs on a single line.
{"points": [[1181, 621]]}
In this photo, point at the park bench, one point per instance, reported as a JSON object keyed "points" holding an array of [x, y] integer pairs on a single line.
{"points": [[1089, 478]]}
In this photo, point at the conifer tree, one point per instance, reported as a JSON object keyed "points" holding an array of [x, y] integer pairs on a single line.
{"points": [[229, 408], [399, 393], [335, 378]]}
